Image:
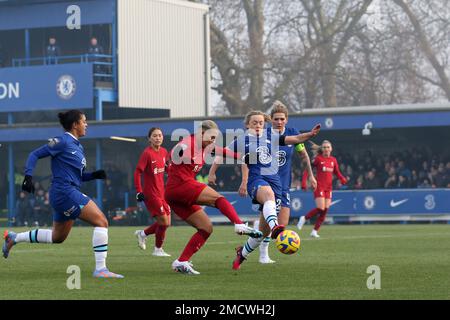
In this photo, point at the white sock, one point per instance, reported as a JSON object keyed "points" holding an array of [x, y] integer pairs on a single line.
{"points": [[264, 248], [270, 213], [35, 236], [143, 234], [256, 225], [251, 245], [100, 244]]}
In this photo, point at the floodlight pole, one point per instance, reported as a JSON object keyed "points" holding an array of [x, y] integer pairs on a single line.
{"points": [[11, 178], [98, 149]]}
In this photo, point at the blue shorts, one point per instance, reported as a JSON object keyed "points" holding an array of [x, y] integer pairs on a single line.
{"points": [[285, 199], [254, 185], [67, 204]]}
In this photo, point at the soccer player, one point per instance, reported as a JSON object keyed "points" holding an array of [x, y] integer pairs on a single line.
{"points": [[279, 119], [152, 164], [68, 165], [185, 195], [259, 147], [326, 166]]}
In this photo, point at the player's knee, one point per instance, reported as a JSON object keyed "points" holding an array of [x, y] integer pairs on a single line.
{"points": [[164, 224], [207, 229], [102, 222]]}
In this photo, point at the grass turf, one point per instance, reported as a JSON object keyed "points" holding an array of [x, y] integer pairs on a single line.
{"points": [[414, 262]]}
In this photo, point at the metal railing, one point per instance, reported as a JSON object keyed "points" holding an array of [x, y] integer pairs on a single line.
{"points": [[103, 63]]}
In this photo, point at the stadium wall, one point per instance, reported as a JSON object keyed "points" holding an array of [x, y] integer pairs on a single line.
{"points": [[367, 205], [164, 56]]}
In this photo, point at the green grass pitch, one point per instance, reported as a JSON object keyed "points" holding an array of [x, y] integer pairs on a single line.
{"points": [[414, 262]]}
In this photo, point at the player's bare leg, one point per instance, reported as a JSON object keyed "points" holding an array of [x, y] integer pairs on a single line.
{"points": [[212, 198], [95, 217]]}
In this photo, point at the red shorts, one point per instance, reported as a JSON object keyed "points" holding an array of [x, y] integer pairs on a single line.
{"points": [[327, 194], [182, 198], [157, 207]]}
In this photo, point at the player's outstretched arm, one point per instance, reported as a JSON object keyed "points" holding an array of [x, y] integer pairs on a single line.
{"points": [[212, 171], [338, 173], [243, 187], [33, 157], [302, 137]]}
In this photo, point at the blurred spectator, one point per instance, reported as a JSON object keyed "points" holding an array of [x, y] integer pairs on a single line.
{"points": [[24, 210], [47, 211], [403, 182], [402, 170], [93, 50], [52, 52], [425, 184], [359, 184], [440, 177], [39, 207], [371, 181], [391, 181], [414, 179]]}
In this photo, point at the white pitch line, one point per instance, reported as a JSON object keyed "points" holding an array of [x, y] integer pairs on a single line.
{"points": [[123, 139], [307, 238]]}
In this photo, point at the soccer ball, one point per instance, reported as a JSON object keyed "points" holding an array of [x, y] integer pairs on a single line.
{"points": [[288, 242]]}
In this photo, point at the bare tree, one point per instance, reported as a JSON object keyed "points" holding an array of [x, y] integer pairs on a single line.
{"points": [[427, 48], [316, 53]]}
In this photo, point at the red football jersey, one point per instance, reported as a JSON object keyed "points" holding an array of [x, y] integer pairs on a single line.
{"points": [[188, 158], [152, 164], [325, 168]]}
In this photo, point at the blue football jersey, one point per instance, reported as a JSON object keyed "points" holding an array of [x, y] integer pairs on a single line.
{"points": [[68, 161], [285, 158], [260, 153]]}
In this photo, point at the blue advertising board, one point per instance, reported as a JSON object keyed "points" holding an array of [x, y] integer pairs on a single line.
{"points": [[367, 202], [51, 87], [28, 16]]}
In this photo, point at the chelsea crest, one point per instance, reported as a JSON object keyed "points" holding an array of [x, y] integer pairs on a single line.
{"points": [[66, 87]]}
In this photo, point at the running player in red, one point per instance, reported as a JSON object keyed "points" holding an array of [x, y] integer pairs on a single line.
{"points": [[326, 166], [152, 164], [185, 195]]}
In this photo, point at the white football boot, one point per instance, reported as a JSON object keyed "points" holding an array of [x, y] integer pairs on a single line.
{"points": [[244, 229], [314, 234], [159, 252], [301, 222], [141, 240], [184, 267]]}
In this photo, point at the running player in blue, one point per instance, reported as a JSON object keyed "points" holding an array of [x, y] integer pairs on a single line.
{"points": [[260, 155], [68, 165], [279, 119]]}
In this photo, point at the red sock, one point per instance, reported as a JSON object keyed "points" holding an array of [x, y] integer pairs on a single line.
{"points": [[320, 219], [151, 229], [312, 213], [228, 210], [196, 242], [160, 235]]}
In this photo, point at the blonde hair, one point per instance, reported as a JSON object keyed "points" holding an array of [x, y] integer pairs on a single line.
{"points": [[252, 113], [279, 107], [209, 124], [317, 149]]}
